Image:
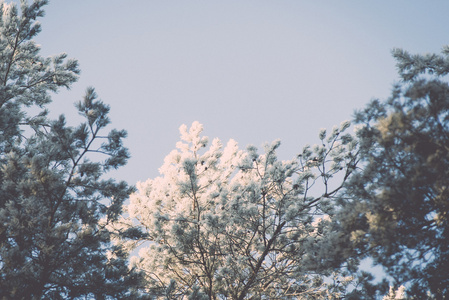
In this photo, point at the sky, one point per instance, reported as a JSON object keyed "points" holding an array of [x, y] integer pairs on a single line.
{"points": [[253, 71]]}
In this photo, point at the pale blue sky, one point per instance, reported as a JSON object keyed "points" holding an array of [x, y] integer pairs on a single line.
{"points": [[254, 71]]}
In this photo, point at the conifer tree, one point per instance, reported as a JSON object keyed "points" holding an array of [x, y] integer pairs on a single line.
{"points": [[224, 223], [399, 203], [53, 192]]}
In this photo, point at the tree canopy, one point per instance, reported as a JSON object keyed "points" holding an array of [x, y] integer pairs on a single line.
{"points": [[219, 222], [52, 187], [235, 224], [401, 193]]}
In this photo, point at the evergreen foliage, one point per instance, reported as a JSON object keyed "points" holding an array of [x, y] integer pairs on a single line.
{"points": [[225, 223], [219, 222], [52, 187], [398, 207]]}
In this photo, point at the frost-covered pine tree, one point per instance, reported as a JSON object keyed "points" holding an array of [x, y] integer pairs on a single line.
{"points": [[224, 223], [52, 189]]}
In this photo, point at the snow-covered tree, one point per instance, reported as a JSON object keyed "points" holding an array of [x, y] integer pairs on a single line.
{"points": [[52, 189], [224, 223], [398, 212]]}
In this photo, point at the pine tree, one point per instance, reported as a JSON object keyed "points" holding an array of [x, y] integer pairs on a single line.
{"points": [[54, 200], [400, 201], [223, 223]]}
